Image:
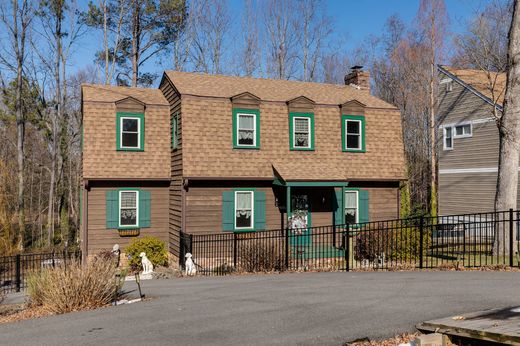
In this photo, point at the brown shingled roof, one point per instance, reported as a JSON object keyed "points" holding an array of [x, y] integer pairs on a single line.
{"points": [[482, 81], [200, 84], [108, 93]]}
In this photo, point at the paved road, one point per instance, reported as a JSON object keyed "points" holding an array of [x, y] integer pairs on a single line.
{"points": [[284, 309]]}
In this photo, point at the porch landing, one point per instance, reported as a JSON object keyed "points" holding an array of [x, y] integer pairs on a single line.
{"points": [[500, 326]]}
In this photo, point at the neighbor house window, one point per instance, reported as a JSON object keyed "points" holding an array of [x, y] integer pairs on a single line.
{"points": [[128, 208], [463, 130], [351, 207], [353, 131], [130, 131], [448, 138], [244, 209], [246, 132], [301, 127]]}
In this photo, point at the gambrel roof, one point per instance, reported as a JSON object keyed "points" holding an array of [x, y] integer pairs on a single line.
{"points": [[200, 84]]}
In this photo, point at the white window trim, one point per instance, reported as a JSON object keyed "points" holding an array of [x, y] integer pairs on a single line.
{"points": [[136, 209], [360, 134], [238, 130], [252, 209], [444, 138], [138, 132], [454, 131], [357, 203], [308, 132]]}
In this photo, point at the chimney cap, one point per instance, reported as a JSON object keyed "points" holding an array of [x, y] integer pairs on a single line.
{"points": [[356, 67]]}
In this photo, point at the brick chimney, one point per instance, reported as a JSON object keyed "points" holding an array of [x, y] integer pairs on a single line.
{"points": [[358, 78]]}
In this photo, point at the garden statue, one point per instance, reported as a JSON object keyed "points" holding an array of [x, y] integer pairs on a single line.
{"points": [[116, 252], [146, 263], [190, 269]]}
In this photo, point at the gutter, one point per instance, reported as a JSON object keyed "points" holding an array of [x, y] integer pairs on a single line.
{"points": [[84, 231]]}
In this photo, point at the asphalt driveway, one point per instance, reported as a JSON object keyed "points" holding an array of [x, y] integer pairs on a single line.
{"points": [[280, 309]]}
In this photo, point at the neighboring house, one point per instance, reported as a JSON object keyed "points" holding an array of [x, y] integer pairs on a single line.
{"points": [[212, 153], [468, 150]]}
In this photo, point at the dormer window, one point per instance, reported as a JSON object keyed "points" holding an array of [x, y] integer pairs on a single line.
{"points": [[353, 131], [301, 131], [130, 132], [246, 128]]}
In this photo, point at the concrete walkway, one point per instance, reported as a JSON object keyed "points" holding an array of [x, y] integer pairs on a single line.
{"points": [[279, 309]]}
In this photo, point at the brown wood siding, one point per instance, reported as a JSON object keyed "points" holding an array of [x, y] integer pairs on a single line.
{"points": [[383, 203], [466, 193], [175, 205], [101, 238], [204, 208], [245, 101]]}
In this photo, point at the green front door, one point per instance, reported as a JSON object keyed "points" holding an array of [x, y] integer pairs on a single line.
{"points": [[300, 221]]}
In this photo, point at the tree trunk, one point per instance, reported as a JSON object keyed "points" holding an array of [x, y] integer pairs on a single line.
{"points": [[20, 122], [509, 132]]}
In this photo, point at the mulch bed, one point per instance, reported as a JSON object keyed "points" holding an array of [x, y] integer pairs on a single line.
{"points": [[399, 339], [18, 312]]}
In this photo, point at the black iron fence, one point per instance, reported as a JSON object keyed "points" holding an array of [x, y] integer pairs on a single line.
{"points": [[469, 240], [15, 269]]}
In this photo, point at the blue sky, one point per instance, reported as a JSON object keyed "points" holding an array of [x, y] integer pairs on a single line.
{"points": [[354, 20]]}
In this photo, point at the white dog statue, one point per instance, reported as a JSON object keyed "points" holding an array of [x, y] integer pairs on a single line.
{"points": [[146, 263], [190, 265]]}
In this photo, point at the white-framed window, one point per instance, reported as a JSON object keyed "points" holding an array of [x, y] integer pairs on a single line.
{"points": [[130, 136], [244, 209], [246, 129], [301, 132], [351, 206], [128, 208], [353, 134], [448, 138], [463, 130]]}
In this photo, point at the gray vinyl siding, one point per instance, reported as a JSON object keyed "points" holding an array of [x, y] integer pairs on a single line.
{"points": [[467, 193], [478, 151], [461, 193]]}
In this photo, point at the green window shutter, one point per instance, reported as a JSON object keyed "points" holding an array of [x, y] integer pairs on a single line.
{"points": [[228, 211], [259, 210], [363, 206], [112, 209], [339, 214], [144, 209]]}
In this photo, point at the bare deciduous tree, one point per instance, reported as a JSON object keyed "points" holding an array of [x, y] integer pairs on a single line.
{"points": [[432, 20], [16, 17], [280, 23]]}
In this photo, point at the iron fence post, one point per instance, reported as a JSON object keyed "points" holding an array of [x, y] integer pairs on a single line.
{"points": [[334, 234], [18, 273], [286, 248], [235, 236], [347, 247], [511, 226], [421, 240]]}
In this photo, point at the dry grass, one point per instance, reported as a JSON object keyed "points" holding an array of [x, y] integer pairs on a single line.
{"points": [[74, 287]]}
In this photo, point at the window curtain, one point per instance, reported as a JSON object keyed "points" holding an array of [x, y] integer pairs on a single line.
{"points": [[243, 204]]}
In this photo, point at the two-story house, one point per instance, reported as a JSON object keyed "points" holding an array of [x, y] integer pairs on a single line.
{"points": [[213, 153], [468, 139]]}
